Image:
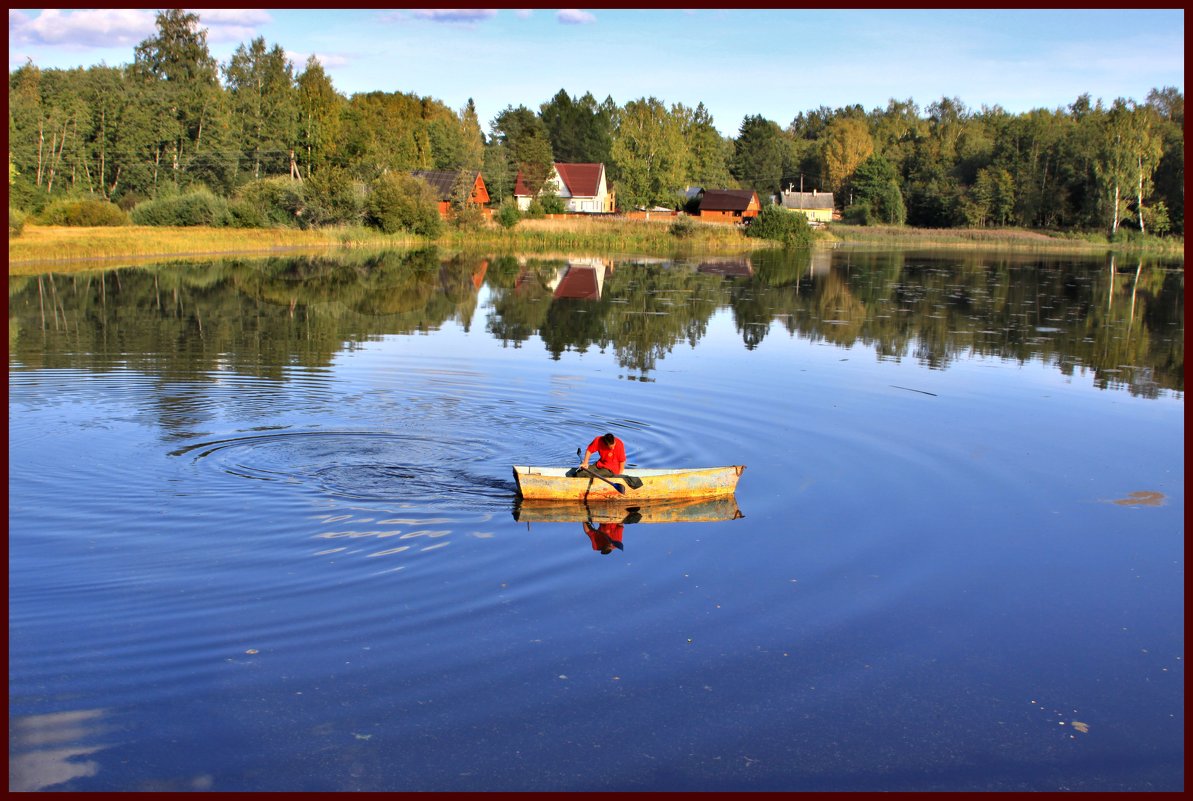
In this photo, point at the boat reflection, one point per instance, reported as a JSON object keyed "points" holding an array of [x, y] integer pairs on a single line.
{"points": [[604, 522], [705, 510]]}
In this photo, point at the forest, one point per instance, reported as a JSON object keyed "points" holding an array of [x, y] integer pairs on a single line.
{"points": [[257, 141]]}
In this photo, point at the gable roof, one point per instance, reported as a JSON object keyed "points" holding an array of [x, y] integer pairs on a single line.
{"points": [[581, 180], [806, 200], [727, 199], [441, 181]]}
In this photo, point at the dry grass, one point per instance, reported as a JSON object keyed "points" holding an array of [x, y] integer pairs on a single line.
{"points": [[56, 245]]}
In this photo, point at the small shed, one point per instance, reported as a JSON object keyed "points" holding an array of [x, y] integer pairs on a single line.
{"points": [[729, 205], [444, 181], [817, 206]]}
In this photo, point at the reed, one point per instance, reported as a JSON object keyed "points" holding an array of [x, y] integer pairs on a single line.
{"points": [[1001, 238], [41, 245]]}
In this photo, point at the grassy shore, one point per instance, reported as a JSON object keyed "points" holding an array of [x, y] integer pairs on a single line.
{"points": [[1007, 238], [40, 248]]}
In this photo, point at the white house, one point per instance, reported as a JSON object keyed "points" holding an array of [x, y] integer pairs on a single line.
{"points": [[582, 187]]}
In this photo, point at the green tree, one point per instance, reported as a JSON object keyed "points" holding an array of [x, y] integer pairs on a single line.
{"points": [[265, 107], [876, 184], [847, 143], [320, 109], [177, 62], [650, 153], [528, 144], [759, 155], [708, 151]]}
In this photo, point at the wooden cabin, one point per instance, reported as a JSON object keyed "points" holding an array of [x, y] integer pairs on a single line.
{"points": [[443, 181], [729, 205], [583, 188]]}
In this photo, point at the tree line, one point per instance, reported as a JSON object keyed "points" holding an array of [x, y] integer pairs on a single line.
{"points": [[176, 121]]}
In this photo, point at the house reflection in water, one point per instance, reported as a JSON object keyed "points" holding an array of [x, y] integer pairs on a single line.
{"points": [[581, 279]]}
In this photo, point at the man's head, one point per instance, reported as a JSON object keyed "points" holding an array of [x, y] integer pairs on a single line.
{"points": [[609, 439]]}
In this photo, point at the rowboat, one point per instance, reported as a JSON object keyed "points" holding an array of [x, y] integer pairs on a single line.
{"points": [[697, 482], [660, 510]]}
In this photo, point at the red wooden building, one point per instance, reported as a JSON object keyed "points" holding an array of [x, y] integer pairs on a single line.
{"points": [[443, 181], [729, 205]]}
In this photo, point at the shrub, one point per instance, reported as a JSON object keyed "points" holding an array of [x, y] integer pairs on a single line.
{"points": [[280, 201], [860, 213], [508, 214], [335, 197], [197, 207], [16, 221], [552, 204], [243, 214], [85, 212], [469, 216], [683, 227], [535, 210], [776, 223], [400, 202]]}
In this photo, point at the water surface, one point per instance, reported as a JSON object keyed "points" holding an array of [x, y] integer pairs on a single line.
{"points": [[264, 536]]}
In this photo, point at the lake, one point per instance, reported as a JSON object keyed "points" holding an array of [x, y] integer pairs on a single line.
{"points": [[264, 533]]}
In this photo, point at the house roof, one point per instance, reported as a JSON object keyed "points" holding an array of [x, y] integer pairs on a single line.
{"points": [[581, 180], [441, 181], [807, 200], [727, 199]]}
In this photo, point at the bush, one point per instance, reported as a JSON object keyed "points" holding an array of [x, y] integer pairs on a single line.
{"points": [[400, 202], [552, 204], [776, 223], [335, 198], [243, 214], [279, 200], [508, 214], [197, 207], [16, 221], [860, 213], [85, 212], [683, 227]]}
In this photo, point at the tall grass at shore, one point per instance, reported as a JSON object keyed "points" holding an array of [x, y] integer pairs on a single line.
{"points": [[602, 235], [1011, 238]]}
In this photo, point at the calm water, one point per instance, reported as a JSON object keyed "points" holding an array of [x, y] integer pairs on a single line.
{"points": [[264, 536]]}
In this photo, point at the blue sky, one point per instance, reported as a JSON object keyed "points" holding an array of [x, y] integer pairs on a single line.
{"points": [[773, 62]]}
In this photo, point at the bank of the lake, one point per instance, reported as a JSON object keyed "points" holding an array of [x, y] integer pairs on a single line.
{"points": [[58, 247]]}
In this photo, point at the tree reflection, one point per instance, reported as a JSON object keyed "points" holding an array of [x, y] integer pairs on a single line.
{"points": [[1122, 322]]}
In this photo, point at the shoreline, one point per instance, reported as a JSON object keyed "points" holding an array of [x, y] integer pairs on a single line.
{"points": [[48, 248]]}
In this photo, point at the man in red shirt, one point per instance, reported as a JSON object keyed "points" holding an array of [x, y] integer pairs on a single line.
{"points": [[612, 455], [605, 537]]}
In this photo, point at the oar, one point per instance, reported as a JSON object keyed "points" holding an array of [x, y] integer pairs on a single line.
{"points": [[620, 489], [633, 481]]}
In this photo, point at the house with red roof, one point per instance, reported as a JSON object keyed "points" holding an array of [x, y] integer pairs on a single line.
{"points": [[583, 188]]}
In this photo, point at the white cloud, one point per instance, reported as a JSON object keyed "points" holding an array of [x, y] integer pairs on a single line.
{"points": [[328, 60], [574, 16], [104, 27], [233, 16], [231, 24], [523, 13], [454, 14]]}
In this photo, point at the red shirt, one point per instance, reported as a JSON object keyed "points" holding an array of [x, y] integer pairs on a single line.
{"points": [[604, 535], [610, 458]]}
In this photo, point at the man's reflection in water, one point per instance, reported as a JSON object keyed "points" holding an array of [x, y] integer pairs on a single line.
{"points": [[605, 537]]}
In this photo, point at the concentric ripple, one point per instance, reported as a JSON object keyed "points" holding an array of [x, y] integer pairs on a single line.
{"points": [[362, 466]]}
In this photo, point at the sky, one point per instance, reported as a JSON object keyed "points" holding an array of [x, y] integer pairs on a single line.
{"points": [[770, 62]]}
